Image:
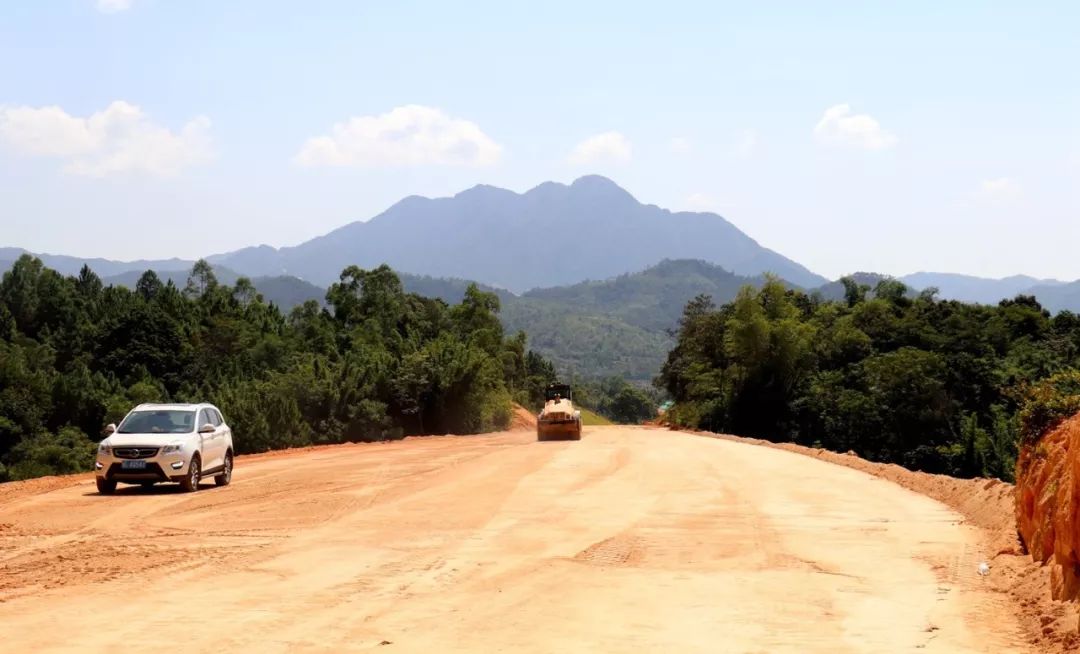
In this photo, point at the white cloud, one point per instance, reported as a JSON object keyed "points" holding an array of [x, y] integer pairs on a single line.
{"points": [[747, 143], [838, 126], [1001, 190], [113, 6], [700, 202], [605, 147], [118, 139], [410, 135], [680, 145]]}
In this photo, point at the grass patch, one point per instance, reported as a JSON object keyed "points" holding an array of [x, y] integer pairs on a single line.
{"points": [[590, 418]]}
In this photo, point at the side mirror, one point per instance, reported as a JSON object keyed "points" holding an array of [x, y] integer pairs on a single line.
{"points": [[110, 429], [206, 429]]}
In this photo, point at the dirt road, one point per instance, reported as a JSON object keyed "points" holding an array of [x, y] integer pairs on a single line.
{"points": [[632, 540]]}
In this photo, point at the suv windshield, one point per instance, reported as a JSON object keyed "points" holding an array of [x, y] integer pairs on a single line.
{"points": [[158, 422]]}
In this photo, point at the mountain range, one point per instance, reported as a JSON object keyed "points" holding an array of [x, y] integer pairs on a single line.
{"points": [[552, 235], [979, 289], [575, 266]]}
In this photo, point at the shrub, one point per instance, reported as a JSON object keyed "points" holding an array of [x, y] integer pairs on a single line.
{"points": [[67, 452], [1048, 403]]}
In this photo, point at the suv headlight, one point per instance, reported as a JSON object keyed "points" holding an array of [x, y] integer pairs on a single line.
{"points": [[175, 448], [104, 449]]}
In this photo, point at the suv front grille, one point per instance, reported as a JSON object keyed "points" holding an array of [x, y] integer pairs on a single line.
{"points": [[152, 472], [135, 452]]}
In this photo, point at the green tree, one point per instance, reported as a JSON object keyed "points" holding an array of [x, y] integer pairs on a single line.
{"points": [[49, 454], [201, 281], [379, 363], [631, 406], [935, 385], [148, 286]]}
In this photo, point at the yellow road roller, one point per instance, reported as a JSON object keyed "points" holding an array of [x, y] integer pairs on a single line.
{"points": [[558, 420]]}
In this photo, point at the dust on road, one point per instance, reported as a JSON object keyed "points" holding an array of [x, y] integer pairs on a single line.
{"points": [[632, 540]]}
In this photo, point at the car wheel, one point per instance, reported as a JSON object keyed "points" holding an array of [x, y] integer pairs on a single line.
{"points": [[105, 487], [190, 483], [226, 475]]}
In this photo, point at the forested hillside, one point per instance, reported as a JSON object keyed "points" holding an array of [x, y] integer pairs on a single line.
{"points": [[288, 292], [587, 344], [620, 326], [933, 385], [653, 298], [591, 330], [376, 363], [284, 291], [838, 290]]}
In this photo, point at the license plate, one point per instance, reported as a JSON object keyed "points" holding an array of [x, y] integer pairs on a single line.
{"points": [[133, 465]]}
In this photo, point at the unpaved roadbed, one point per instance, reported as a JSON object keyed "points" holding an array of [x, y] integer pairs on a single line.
{"points": [[1050, 625], [632, 540]]}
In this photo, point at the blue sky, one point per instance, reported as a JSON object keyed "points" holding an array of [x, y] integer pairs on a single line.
{"points": [[848, 136]]}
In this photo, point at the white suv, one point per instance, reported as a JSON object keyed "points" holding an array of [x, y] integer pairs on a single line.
{"points": [[166, 442]]}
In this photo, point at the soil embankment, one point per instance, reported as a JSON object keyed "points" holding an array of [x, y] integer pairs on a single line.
{"points": [[522, 419], [1048, 505]]}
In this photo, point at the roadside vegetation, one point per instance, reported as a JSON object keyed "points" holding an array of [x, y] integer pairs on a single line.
{"points": [[375, 363], [933, 385], [591, 418], [617, 400]]}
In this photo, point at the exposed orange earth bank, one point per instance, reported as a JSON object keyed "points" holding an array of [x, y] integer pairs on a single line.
{"points": [[1048, 505]]}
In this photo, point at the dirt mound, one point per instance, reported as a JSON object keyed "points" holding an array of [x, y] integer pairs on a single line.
{"points": [[523, 419], [1048, 505], [989, 505]]}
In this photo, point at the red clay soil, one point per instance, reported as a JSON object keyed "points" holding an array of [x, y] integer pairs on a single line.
{"points": [[989, 504], [631, 540], [1048, 505], [522, 420], [1022, 584]]}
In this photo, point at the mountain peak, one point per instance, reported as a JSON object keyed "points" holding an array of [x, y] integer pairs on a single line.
{"points": [[601, 188], [595, 181], [484, 191], [556, 233]]}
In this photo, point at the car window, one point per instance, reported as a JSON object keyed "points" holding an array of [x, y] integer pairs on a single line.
{"points": [[157, 422], [204, 419], [215, 417], [220, 418]]}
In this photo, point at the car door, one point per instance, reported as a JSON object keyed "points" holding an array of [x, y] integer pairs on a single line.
{"points": [[219, 437], [208, 442], [226, 434]]}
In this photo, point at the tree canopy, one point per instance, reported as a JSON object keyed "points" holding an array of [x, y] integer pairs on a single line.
{"points": [[374, 363], [934, 385]]}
